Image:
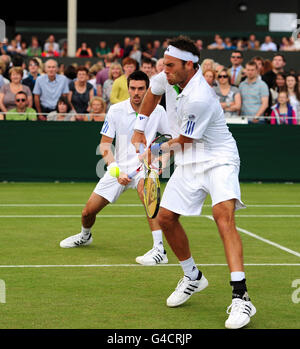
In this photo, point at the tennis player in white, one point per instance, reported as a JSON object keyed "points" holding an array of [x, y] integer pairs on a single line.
{"points": [[118, 125], [207, 162]]}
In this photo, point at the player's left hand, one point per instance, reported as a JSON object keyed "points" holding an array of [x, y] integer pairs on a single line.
{"points": [[123, 179]]}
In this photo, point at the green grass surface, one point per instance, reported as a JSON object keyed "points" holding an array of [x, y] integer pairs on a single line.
{"points": [[101, 287]]}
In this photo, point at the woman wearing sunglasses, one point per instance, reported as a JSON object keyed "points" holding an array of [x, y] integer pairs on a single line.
{"points": [[230, 97]]}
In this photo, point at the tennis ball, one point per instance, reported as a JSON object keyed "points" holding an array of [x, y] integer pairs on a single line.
{"points": [[114, 171]]}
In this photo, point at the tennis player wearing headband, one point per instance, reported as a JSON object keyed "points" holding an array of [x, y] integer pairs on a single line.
{"points": [[207, 162]]}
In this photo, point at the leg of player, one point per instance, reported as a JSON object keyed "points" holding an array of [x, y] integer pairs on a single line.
{"points": [[157, 255], [94, 205], [193, 280], [241, 308]]}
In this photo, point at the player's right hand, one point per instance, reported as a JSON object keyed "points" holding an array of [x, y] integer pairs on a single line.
{"points": [[123, 179], [137, 139]]}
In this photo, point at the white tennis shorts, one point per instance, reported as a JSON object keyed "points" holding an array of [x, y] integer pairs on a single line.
{"points": [[187, 190], [110, 189]]}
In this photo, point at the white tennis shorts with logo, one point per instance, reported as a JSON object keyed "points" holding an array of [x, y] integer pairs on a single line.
{"points": [[110, 189], [187, 189]]}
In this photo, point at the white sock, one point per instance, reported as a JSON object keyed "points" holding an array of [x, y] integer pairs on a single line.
{"points": [[85, 232], [237, 276], [189, 268], [158, 240]]}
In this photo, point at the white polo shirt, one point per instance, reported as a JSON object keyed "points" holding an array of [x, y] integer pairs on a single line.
{"points": [[119, 124], [199, 115]]}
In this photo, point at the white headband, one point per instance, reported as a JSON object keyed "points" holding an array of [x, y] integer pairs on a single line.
{"points": [[180, 54]]}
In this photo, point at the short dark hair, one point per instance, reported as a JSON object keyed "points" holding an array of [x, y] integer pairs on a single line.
{"points": [[253, 63], [186, 44], [138, 75], [64, 100], [238, 51], [280, 55], [82, 68], [147, 60], [21, 93]]}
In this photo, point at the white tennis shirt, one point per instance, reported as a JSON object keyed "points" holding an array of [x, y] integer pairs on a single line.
{"points": [[119, 125], [196, 113]]}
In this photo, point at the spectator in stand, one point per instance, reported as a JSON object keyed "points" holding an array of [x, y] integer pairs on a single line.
{"points": [[119, 91], [148, 52], [51, 41], [136, 53], [268, 66], [158, 49], [283, 112], [8, 92], [218, 67], [229, 96], [33, 66], [199, 44], [51, 52], [70, 72], [84, 51], [64, 49], [48, 88], [34, 49], [210, 77], [102, 75], [207, 63], [159, 65], [115, 71], [280, 84], [3, 80], [268, 44], [228, 44], [62, 112], [81, 91], [293, 93], [21, 112], [146, 66], [255, 95], [102, 50], [97, 110], [18, 40], [218, 44], [286, 44], [278, 63], [12, 48], [260, 62], [235, 71], [93, 71], [127, 46], [251, 42], [117, 51], [23, 50]]}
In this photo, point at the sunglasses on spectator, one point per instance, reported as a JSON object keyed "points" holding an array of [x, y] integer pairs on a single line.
{"points": [[222, 76], [20, 100], [236, 57]]}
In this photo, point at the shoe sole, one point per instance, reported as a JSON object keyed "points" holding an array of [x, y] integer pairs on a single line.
{"points": [[235, 327], [150, 263], [86, 244], [170, 305]]}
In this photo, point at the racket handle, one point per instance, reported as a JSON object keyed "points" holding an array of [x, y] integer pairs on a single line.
{"points": [[132, 174]]}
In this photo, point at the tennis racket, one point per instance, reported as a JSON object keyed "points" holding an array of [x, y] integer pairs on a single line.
{"points": [[151, 182]]}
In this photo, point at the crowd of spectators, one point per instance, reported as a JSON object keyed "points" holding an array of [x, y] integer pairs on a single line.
{"points": [[31, 89]]}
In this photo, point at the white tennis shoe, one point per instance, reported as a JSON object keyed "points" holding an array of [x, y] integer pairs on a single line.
{"points": [[239, 312], [153, 257], [185, 289], [76, 241]]}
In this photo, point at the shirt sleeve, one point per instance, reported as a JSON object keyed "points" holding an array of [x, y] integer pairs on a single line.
{"points": [[158, 84], [163, 127], [196, 118], [37, 87], [264, 90], [108, 128]]}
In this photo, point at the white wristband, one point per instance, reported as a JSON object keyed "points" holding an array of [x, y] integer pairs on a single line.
{"points": [[113, 164], [141, 122]]}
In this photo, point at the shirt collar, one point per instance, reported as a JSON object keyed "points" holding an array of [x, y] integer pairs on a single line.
{"points": [[189, 87], [130, 109]]}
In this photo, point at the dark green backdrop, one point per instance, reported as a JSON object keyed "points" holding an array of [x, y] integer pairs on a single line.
{"points": [[66, 151]]}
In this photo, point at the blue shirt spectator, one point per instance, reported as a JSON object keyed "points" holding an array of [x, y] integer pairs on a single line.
{"points": [[49, 87]]}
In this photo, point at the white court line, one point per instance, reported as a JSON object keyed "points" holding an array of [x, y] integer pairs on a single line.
{"points": [[263, 239], [143, 266], [126, 205], [142, 215]]}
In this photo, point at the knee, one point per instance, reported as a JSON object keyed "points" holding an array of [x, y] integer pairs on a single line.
{"points": [[166, 219], [87, 212]]}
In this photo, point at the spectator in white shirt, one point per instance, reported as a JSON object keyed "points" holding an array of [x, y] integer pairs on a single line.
{"points": [[268, 45]]}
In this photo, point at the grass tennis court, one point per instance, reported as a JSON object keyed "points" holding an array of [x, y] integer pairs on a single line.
{"points": [[101, 287]]}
